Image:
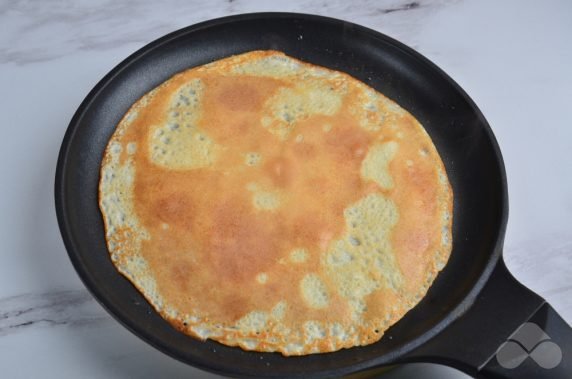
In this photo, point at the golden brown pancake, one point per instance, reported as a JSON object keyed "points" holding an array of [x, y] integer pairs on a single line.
{"points": [[268, 203]]}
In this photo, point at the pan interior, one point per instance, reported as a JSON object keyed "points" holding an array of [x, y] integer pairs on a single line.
{"points": [[457, 128]]}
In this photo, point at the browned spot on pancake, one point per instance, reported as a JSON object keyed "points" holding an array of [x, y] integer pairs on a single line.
{"points": [[234, 245], [242, 99], [348, 144], [181, 273], [236, 305], [280, 171], [176, 208], [305, 150], [237, 96]]}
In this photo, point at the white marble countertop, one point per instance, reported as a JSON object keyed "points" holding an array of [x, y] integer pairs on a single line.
{"points": [[512, 57]]}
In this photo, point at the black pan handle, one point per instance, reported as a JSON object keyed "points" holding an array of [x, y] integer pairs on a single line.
{"points": [[508, 332]]}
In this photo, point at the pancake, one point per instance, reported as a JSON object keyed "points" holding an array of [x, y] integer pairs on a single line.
{"points": [[268, 203]]}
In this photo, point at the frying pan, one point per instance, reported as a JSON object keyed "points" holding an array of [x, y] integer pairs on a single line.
{"points": [[474, 305]]}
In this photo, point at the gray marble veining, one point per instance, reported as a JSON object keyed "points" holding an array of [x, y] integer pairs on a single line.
{"points": [[35, 31], [72, 308]]}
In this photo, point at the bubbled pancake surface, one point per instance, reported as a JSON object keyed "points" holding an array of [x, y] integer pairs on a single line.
{"points": [[268, 203]]}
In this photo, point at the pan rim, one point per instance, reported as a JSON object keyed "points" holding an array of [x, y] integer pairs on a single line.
{"points": [[220, 368]]}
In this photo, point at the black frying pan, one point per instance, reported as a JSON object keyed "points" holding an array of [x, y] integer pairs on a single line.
{"points": [[474, 304]]}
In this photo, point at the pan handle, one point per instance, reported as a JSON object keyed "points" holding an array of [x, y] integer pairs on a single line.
{"points": [[508, 332]]}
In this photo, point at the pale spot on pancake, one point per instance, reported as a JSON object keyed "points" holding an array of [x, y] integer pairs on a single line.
{"points": [[445, 238], [115, 148], [164, 226], [409, 163], [299, 138], [370, 264], [298, 255], [116, 202], [314, 291], [443, 178], [327, 128], [201, 331], [358, 306], [279, 310], [266, 200], [266, 121], [248, 343], [423, 152], [262, 278], [271, 66], [294, 348], [131, 116], [131, 148], [337, 331], [369, 109], [354, 241], [314, 331], [179, 143], [192, 319], [292, 104], [252, 159], [253, 322], [375, 166], [440, 265], [446, 216], [171, 312], [392, 107], [339, 256], [137, 267]]}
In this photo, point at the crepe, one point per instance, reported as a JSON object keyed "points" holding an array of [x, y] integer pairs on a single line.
{"points": [[275, 205]]}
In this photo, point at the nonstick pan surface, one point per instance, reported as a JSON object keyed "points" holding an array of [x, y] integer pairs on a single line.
{"points": [[446, 326]]}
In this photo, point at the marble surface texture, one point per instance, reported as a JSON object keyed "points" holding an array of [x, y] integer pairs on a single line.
{"points": [[512, 57]]}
